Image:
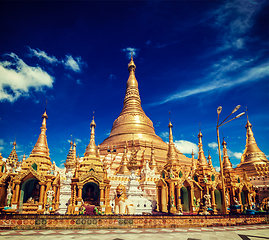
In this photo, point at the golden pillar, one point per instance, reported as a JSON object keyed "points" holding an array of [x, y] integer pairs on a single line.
{"points": [[79, 199], [178, 200], [172, 197], [41, 196], [191, 200], [102, 193], [57, 197], [213, 201], [164, 199], [17, 191]]}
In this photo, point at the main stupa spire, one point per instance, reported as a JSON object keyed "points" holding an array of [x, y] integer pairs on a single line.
{"points": [[132, 121]]}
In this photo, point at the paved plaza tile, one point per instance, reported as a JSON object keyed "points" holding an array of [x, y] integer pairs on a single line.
{"points": [[253, 232]]}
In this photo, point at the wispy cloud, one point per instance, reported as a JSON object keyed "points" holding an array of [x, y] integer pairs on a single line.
{"points": [[17, 78], [129, 51], [164, 134], [73, 63], [186, 147], [220, 77], [42, 55], [165, 44], [234, 19]]}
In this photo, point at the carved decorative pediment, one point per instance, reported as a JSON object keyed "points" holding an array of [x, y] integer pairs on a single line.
{"points": [[99, 177], [4, 177], [37, 175]]}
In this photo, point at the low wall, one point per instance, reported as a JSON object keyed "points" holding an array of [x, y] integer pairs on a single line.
{"points": [[8, 221]]}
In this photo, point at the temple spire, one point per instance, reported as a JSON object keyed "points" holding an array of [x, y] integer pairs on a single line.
{"points": [[252, 153], [123, 169], [193, 165], [41, 147], [201, 156], [152, 163], [91, 149], [171, 155], [226, 161], [13, 157]]}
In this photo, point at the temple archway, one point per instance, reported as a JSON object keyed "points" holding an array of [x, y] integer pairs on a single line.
{"points": [[30, 188], [185, 199], [218, 200], [91, 193]]}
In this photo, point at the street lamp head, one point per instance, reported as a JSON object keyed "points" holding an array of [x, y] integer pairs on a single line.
{"points": [[219, 109], [240, 115], [236, 108]]}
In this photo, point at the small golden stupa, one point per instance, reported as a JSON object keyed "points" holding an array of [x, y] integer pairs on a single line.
{"points": [[253, 160]]}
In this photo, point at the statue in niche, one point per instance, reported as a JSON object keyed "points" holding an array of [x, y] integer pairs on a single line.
{"points": [[50, 194], [9, 196], [236, 201], [34, 195], [90, 196]]}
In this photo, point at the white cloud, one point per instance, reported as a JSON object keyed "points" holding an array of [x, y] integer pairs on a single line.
{"points": [[69, 62], [186, 146], [73, 63], [2, 142], [17, 78], [164, 134], [213, 145], [237, 155], [267, 156], [130, 50], [217, 169], [42, 55], [79, 82]]}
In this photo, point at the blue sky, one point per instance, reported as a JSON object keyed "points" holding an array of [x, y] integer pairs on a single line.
{"points": [[191, 57]]}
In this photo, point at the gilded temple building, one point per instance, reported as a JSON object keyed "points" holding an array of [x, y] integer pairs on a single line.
{"points": [[133, 160], [255, 164], [90, 185], [31, 186]]}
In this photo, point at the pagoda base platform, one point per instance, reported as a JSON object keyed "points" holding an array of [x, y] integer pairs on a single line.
{"points": [[35, 222]]}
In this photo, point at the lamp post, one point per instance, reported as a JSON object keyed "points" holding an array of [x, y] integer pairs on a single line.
{"points": [[224, 206]]}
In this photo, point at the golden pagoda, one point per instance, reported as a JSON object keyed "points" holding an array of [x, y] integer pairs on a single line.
{"points": [[70, 162], [12, 160], [33, 186], [176, 190], [90, 186], [253, 160], [134, 127]]}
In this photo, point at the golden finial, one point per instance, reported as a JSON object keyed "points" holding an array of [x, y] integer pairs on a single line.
{"points": [[247, 113], [170, 124], [192, 153]]}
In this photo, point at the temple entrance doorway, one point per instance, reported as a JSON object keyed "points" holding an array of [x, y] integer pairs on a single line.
{"points": [[91, 194], [30, 191], [243, 198], [218, 200], [185, 199]]}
